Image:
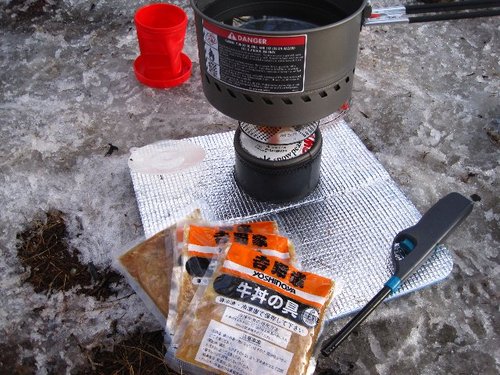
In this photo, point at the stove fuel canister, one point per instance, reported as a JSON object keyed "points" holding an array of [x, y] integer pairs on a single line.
{"points": [[278, 180]]}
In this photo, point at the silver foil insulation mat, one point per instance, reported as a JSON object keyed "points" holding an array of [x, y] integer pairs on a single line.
{"points": [[343, 230]]}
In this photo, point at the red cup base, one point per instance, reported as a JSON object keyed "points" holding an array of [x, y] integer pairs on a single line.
{"points": [[152, 71]]}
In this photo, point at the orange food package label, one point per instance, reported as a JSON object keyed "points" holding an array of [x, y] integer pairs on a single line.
{"points": [[204, 243], [207, 241], [269, 227], [263, 227], [258, 315]]}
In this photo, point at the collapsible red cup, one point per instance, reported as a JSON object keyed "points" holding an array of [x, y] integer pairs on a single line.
{"points": [[161, 29]]}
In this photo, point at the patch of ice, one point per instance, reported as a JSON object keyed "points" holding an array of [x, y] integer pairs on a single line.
{"points": [[91, 78], [490, 215]]}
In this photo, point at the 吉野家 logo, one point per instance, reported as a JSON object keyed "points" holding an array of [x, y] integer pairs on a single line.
{"points": [[272, 280]]}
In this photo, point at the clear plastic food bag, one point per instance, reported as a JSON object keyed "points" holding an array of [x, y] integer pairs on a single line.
{"points": [[147, 265], [203, 243], [257, 315]]}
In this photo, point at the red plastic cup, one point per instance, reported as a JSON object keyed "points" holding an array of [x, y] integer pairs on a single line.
{"points": [[161, 29], [153, 71]]}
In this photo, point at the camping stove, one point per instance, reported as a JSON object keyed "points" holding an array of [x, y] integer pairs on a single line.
{"points": [[278, 67], [278, 164]]}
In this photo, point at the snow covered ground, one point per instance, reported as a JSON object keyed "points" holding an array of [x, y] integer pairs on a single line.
{"points": [[426, 102]]}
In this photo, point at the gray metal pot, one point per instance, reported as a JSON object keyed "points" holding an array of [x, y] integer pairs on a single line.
{"points": [[278, 62]]}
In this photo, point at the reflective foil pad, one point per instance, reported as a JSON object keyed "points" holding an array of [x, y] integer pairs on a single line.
{"points": [[343, 230]]}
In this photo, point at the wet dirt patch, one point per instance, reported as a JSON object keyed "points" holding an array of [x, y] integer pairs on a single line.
{"points": [[43, 250], [27, 10], [11, 361], [140, 354], [493, 131]]}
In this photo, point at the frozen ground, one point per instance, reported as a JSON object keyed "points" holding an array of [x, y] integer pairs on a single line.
{"points": [[426, 102]]}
